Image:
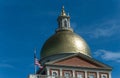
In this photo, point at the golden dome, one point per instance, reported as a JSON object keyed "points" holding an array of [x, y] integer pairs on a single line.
{"points": [[64, 42]]}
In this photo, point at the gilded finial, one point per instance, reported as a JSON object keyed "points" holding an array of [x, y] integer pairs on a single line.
{"points": [[63, 12]]}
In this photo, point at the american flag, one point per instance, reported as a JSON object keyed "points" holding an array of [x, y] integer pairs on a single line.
{"points": [[37, 63]]}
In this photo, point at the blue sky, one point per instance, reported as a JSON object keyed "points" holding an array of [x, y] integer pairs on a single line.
{"points": [[26, 24]]}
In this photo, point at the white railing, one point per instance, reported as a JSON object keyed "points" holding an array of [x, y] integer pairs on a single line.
{"points": [[45, 76]]}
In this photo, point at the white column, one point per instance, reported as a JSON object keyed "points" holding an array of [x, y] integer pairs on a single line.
{"points": [[86, 74], [110, 75], [73, 73], [48, 71], [60, 72], [97, 74]]}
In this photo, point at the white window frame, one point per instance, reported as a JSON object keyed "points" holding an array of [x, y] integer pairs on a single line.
{"points": [[55, 71], [79, 76], [79, 73], [92, 75], [103, 75], [67, 72]]}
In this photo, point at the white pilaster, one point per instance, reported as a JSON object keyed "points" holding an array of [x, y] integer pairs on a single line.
{"points": [[48, 71], [86, 74], [97, 74], [73, 73], [110, 75], [60, 72]]}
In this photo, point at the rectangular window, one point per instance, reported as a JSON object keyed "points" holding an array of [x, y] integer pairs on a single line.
{"points": [[80, 74], [92, 75], [103, 75], [54, 73], [67, 73]]}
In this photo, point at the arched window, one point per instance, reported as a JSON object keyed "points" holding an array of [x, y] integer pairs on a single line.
{"points": [[65, 23]]}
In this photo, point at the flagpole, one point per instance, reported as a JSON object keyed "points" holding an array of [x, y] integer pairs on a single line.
{"points": [[34, 60]]}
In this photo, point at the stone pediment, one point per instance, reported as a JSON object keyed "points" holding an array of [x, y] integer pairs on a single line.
{"points": [[79, 60]]}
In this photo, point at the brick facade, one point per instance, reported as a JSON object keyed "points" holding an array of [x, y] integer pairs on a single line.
{"points": [[78, 62], [80, 72], [78, 66]]}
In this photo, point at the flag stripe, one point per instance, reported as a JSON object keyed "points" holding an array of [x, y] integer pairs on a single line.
{"points": [[37, 63]]}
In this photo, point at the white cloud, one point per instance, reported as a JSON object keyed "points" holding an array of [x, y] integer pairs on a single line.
{"points": [[105, 32], [108, 55], [106, 29], [4, 65]]}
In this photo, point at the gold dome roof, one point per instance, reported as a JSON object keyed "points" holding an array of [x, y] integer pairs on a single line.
{"points": [[65, 42]]}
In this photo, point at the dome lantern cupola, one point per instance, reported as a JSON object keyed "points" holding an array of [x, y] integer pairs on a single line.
{"points": [[63, 21]]}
